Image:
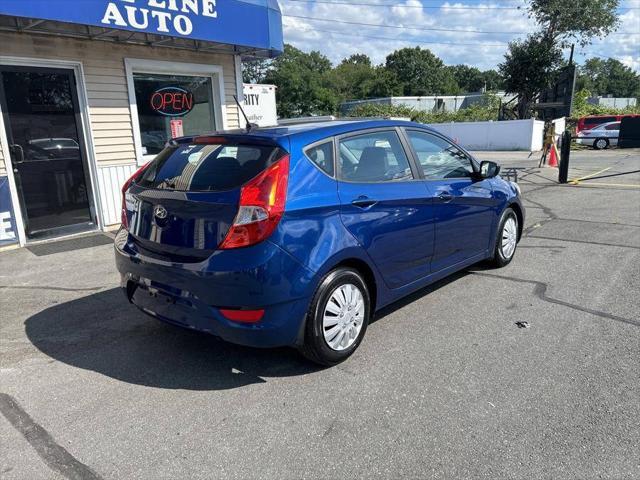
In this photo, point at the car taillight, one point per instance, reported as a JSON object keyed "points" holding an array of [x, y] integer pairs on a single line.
{"points": [[123, 214], [261, 206]]}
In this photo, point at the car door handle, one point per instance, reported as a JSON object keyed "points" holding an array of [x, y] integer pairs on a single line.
{"points": [[445, 196], [364, 202]]}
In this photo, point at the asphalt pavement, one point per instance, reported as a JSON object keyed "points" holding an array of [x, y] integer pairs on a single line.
{"points": [[530, 371]]}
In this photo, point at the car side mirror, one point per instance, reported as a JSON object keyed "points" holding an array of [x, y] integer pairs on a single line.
{"points": [[489, 169]]}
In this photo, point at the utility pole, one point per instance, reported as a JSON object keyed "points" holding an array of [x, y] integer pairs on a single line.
{"points": [[573, 83]]}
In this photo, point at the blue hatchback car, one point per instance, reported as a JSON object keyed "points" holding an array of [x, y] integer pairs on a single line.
{"points": [[296, 235]]}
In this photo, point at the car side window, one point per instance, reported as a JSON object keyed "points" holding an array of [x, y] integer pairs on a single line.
{"points": [[613, 126], [322, 156], [373, 157], [439, 158]]}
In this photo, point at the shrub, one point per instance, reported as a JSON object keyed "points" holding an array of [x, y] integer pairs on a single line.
{"points": [[485, 110], [581, 108]]}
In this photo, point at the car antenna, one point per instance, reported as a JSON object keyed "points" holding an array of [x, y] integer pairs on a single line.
{"points": [[249, 125]]}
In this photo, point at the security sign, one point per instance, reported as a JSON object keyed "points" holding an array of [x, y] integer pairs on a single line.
{"points": [[172, 101], [7, 220]]}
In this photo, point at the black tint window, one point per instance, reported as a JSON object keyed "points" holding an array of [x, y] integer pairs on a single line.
{"points": [[322, 156], [598, 120], [373, 157], [439, 158], [613, 126], [208, 167]]}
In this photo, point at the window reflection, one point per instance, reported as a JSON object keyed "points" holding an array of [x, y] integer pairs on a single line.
{"points": [[162, 99]]}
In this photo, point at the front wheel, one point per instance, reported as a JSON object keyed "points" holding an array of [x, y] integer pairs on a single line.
{"points": [[601, 143], [506, 239], [337, 318]]}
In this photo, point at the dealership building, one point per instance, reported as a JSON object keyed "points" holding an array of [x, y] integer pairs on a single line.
{"points": [[92, 89]]}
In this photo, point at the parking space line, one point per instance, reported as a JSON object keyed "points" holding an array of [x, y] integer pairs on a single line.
{"points": [[576, 180], [601, 184]]}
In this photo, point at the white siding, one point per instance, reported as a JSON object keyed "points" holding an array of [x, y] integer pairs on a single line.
{"points": [[106, 84], [108, 100], [110, 181]]}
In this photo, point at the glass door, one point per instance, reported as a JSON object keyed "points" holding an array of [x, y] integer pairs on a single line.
{"points": [[41, 116]]}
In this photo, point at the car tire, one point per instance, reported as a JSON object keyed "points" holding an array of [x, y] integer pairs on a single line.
{"points": [[506, 239], [329, 301], [601, 143]]}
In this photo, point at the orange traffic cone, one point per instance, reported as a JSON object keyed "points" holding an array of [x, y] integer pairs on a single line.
{"points": [[553, 156]]}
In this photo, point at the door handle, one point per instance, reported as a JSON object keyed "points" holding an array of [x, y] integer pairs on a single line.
{"points": [[445, 196], [364, 202], [17, 152]]}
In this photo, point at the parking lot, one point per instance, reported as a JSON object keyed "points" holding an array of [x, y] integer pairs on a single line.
{"points": [[530, 371]]}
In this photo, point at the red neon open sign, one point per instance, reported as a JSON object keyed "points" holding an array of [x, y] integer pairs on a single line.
{"points": [[172, 101]]}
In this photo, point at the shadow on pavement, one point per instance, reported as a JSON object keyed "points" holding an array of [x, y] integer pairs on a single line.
{"points": [[105, 334], [389, 309]]}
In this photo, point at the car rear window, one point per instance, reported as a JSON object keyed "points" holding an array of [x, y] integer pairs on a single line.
{"points": [[208, 167], [598, 120]]}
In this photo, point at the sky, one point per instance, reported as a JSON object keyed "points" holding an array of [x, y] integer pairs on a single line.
{"points": [[449, 29]]}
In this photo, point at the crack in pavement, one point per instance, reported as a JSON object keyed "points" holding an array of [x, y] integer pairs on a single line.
{"points": [[540, 291], [55, 456], [588, 242], [62, 289], [632, 225], [545, 210]]}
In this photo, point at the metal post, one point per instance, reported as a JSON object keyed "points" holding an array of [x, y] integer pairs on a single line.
{"points": [[565, 153]]}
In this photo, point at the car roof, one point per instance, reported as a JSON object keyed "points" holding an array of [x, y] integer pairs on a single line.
{"points": [[334, 127]]}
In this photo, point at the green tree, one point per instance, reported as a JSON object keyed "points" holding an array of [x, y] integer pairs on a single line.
{"points": [[420, 72], [303, 83], [471, 79], [529, 67], [356, 78], [384, 83], [350, 78], [255, 71], [608, 77], [562, 21], [493, 80]]}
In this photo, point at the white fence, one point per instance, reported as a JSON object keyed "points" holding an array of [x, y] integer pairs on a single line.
{"points": [[508, 135]]}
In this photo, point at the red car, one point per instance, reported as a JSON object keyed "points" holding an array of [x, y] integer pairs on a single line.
{"points": [[592, 121]]}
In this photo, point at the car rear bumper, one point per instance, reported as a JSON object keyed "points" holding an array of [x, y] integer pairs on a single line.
{"points": [[190, 295]]}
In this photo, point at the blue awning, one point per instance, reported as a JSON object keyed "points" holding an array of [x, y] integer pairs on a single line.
{"points": [[251, 25]]}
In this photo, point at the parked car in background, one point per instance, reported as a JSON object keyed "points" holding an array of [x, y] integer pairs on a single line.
{"points": [[600, 137], [296, 235], [592, 121]]}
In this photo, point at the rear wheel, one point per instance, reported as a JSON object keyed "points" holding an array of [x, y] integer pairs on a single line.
{"points": [[601, 143], [506, 239], [337, 318]]}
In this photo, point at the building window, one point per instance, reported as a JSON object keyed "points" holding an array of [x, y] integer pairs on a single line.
{"points": [[172, 106]]}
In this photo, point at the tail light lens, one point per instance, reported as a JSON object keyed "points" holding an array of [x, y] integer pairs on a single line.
{"points": [[123, 214], [262, 203]]}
